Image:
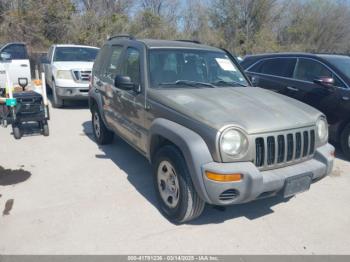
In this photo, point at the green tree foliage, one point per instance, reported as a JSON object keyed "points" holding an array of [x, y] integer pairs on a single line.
{"points": [[241, 26]]}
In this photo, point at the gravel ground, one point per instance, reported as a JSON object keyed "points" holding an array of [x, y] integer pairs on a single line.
{"points": [[64, 194]]}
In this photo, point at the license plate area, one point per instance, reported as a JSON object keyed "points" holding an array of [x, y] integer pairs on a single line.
{"points": [[297, 184]]}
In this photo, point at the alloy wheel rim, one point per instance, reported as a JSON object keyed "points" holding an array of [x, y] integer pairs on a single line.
{"points": [[168, 184]]}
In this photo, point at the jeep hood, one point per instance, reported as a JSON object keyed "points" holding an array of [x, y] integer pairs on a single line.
{"points": [[256, 110], [73, 65]]}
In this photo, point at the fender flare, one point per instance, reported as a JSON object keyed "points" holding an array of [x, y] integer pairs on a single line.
{"points": [[95, 98], [194, 149]]}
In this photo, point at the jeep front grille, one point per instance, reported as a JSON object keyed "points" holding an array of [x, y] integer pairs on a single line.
{"points": [[82, 75], [283, 149]]}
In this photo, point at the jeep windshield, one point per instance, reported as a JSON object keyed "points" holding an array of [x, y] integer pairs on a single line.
{"points": [[342, 63], [75, 54], [193, 68]]}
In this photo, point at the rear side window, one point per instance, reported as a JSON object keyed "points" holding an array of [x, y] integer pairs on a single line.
{"points": [[112, 66], [17, 52], [283, 67], [133, 65]]}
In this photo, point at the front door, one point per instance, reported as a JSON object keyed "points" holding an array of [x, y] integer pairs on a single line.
{"points": [[324, 99]]}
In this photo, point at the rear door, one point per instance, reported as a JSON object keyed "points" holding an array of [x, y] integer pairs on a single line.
{"points": [[18, 66], [324, 99], [273, 74], [108, 67]]}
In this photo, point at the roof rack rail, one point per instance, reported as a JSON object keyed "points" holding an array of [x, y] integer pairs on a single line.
{"points": [[130, 37], [189, 41]]}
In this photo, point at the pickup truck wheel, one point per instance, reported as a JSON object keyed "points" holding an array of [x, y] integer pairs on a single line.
{"points": [[175, 192], [345, 141], [102, 135], [57, 102]]}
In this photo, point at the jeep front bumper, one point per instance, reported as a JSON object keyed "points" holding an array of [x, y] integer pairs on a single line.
{"points": [[257, 184]]}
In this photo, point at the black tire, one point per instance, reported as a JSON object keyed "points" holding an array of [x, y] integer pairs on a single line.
{"points": [[48, 89], [57, 102], [46, 130], [189, 205], [344, 141], [103, 136], [17, 132]]}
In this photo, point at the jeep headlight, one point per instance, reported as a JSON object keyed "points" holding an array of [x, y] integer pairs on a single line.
{"points": [[64, 74], [233, 142], [322, 129]]}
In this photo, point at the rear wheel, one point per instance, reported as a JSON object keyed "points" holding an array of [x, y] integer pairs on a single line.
{"points": [[101, 133], [177, 197], [345, 141]]}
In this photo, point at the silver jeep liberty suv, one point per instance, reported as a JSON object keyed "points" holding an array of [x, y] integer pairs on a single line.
{"points": [[210, 136]]}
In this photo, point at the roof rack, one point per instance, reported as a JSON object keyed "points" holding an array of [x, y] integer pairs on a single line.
{"points": [[130, 37], [188, 41]]}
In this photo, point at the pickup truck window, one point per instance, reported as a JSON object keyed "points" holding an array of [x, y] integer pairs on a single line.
{"points": [[66, 54], [17, 52], [204, 67]]}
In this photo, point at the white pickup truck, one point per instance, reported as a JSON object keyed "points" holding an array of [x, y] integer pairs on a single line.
{"points": [[14, 59], [68, 70]]}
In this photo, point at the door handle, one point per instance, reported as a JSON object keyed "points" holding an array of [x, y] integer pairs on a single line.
{"points": [[294, 89], [345, 98], [24, 65]]}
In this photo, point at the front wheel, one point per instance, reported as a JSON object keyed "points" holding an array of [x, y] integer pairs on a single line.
{"points": [[176, 195], [57, 101], [345, 141]]}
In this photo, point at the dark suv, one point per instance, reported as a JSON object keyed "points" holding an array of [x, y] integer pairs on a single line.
{"points": [[209, 135], [320, 80]]}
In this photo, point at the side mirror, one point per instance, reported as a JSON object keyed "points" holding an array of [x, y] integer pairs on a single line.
{"points": [[254, 80], [327, 82], [124, 82], [5, 56]]}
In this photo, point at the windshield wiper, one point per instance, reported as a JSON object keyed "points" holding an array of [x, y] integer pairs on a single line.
{"points": [[222, 82], [189, 83]]}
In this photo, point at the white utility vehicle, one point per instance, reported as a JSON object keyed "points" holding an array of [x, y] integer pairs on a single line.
{"points": [[68, 70], [14, 59]]}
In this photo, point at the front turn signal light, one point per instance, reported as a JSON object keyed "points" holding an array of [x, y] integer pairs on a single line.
{"points": [[224, 177]]}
